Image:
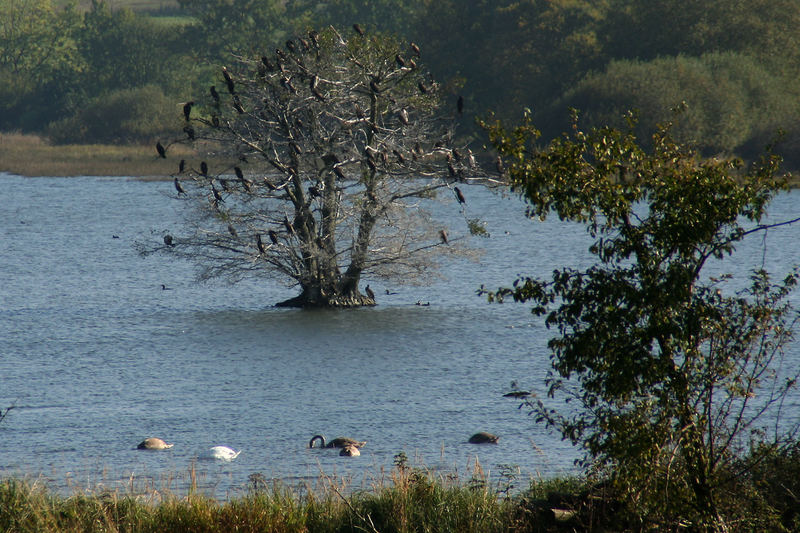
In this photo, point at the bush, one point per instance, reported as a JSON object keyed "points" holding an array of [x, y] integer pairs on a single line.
{"points": [[122, 116]]}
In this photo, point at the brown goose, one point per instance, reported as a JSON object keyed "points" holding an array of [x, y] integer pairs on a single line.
{"points": [[483, 438]]}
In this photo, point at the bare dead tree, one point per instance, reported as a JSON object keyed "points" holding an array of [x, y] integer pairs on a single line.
{"points": [[338, 145]]}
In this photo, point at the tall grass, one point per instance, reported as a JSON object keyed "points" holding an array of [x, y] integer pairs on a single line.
{"points": [[406, 500]]}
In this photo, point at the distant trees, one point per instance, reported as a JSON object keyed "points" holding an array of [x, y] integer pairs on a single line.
{"points": [[337, 145], [677, 379]]}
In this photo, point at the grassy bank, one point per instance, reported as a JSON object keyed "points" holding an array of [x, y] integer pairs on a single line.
{"points": [[407, 500], [30, 155]]}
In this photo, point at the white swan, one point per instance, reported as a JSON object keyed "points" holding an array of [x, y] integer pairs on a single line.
{"points": [[153, 443], [219, 453]]}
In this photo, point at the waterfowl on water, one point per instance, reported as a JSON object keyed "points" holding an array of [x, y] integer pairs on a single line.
{"points": [[219, 453], [339, 442], [483, 438], [350, 451], [153, 443]]}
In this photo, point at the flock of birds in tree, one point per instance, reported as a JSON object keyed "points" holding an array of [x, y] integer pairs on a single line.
{"points": [[456, 159]]}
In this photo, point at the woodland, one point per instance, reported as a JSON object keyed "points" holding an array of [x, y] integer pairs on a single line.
{"points": [[104, 72]]}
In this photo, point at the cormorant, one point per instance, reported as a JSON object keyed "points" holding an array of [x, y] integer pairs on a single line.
{"points": [[288, 225], [203, 168], [189, 131], [181, 166], [370, 293], [214, 94], [399, 60], [228, 81], [187, 109], [460, 104], [162, 152], [443, 236], [273, 237], [232, 231], [168, 240], [415, 49], [178, 185], [422, 88], [261, 248], [459, 195], [237, 105], [403, 114], [217, 195], [165, 288], [239, 173], [359, 30]]}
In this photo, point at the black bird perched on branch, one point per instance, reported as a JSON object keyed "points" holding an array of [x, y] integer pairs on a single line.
{"points": [[358, 29], [168, 240], [181, 166], [187, 109], [460, 105], [273, 237], [228, 81], [189, 131], [260, 244], [399, 60], [443, 236], [288, 225], [203, 168], [178, 186], [162, 152], [459, 195], [415, 49], [214, 94], [370, 294]]}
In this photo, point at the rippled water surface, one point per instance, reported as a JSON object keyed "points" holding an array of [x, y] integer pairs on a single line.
{"points": [[95, 356]]}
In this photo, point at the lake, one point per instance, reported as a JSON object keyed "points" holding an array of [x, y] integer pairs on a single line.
{"points": [[95, 356]]}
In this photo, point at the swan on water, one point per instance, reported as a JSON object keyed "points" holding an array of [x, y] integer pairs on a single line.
{"points": [[483, 438], [153, 443], [219, 453], [339, 442]]}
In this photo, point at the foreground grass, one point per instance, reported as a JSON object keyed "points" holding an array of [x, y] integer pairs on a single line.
{"points": [[411, 502], [30, 155]]}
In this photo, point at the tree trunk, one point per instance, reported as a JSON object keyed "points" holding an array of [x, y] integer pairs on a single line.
{"points": [[316, 297]]}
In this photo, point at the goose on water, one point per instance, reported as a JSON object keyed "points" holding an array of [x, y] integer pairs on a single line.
{"points": [[153, 443], [219, 453], [483, 438]]}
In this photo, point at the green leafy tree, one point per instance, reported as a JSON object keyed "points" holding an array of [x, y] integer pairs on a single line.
{"points": [[38, 54], [670, 371], [337, 146]]}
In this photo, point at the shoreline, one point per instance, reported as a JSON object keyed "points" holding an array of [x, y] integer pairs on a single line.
{"points": [[32, 156]]}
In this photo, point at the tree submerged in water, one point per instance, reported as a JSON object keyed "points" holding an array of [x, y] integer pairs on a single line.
{"points": [[337, 146]]}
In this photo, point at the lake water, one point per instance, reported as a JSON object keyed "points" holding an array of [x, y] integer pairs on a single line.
{"points": [[95, 356]]}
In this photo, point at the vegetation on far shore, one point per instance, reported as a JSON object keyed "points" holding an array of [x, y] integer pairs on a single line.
{"points": [[34, 156]]}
